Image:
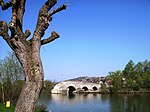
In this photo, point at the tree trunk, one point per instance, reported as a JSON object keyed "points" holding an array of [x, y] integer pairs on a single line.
{"points": [[29, 95], [30, 92], [34, 77]]}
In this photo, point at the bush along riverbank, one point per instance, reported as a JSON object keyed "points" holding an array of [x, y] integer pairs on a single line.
{"points": [[117, 89], [118, 92]]}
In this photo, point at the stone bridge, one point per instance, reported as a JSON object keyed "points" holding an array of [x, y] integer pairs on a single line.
{"points": [[75, 86]]}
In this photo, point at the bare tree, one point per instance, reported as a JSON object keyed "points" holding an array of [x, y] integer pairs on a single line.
{"points": [[28, 51]]}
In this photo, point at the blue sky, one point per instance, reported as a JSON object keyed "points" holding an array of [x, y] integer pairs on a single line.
{"points": [[97, 36]]}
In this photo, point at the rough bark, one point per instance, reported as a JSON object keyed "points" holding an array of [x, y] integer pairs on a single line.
{"points": [[28, 51]]}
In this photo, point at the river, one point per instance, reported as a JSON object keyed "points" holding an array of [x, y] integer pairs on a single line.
{"points": [[96, 103]]}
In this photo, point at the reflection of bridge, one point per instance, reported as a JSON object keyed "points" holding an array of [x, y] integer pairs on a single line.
{"points": [[75, 86], [75, 99]]}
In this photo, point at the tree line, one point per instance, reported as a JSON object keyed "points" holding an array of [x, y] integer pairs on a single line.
{"points": [[134, 77]]}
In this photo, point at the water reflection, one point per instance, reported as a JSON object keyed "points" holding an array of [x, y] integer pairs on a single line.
{"points": [[77, 103], [72, 98], [96, 103], [129, 103]]}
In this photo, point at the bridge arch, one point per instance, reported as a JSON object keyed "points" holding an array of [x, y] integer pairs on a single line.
{"points": [[71, 89], [85, 88], [94, 88]]}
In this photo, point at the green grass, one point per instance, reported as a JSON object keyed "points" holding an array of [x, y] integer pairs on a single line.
{"points": [[3, 108], [8, 109]]}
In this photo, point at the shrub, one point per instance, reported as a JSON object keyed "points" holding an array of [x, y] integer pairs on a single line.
{"points": [[41, 108]]}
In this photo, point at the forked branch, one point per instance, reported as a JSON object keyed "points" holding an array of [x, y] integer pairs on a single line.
{"points": [[12, 24]]}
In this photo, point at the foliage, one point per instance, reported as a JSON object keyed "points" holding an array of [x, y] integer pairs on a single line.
{"points": [[133, 77], [11, 74], [129, 70], [116, 81], [47, 86], [104, 88], [41, 108]]}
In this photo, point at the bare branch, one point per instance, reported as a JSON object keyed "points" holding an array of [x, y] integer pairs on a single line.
{"points": [[53, 36], [12, 24], [5, 6], [3, 27], [63, 7], [48, 5], [20, 12], [27, 34], [4, 32]]}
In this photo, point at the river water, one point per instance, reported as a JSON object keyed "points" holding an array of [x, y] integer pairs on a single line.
{"points": [[96, 103]]}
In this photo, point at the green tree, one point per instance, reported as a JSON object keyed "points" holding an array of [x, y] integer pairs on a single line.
{"points": [[146, 74], [129, 74], [104, 89], [116, 81], [2, 96], [47, 86], [139, 72], [128, 71], [10, 73]]}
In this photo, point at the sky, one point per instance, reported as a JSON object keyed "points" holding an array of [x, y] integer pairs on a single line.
{"points": [[96, 36]]}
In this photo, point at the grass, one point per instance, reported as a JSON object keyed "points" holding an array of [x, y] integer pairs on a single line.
{"points": [[3, 108], [6, 109]]}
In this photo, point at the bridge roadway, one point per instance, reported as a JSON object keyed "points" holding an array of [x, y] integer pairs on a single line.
{"points": [[75, 86]]}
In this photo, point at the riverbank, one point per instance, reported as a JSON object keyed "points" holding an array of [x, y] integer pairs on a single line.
{"points": [[119, 92], [133, 92], [3, 108]]}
